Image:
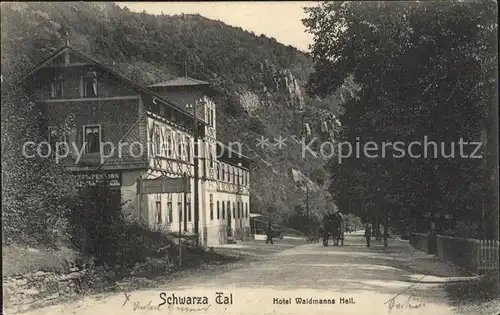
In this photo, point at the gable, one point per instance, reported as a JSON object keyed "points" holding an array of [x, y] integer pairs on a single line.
{"points": [[71, 57], [68, 56]]}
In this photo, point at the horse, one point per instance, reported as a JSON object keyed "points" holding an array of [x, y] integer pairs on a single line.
{"points": [[332, 225]]}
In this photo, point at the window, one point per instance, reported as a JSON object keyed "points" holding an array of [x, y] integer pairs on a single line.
{"points": [[179, 146], [229, 210], [217, 169], [92, 139], [211, 160], [157, 141], [239, 210], [218, 210], [234, 210], [169, 143], [213, 118], [56, 139], [223, 171], [179, 208], [56, 87], [211, 207], [223, 211], [188, 149], [169, 208], [90, 84], [158, 212], [159, 216], [234, 175], [229, 173], [246, 209], [188, 205]]}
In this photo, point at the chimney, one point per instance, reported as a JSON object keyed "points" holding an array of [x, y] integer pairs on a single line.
{"points": [[66, 38]]}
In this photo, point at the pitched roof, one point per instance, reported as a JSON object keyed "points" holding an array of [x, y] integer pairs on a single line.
{"points": [[109, 70], [180, 81]]}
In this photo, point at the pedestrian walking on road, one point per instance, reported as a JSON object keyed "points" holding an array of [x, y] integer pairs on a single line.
{"points": [[368, 235], [269, 234]]}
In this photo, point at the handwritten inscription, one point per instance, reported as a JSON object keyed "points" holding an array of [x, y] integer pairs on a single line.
{"points": [[193, 309], [406, 305], [138, 306]]}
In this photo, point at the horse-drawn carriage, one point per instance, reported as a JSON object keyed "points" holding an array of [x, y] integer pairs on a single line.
{"points": [[333, 225]]}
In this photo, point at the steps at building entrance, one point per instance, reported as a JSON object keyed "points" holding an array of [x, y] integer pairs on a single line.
{"points": [[231, 240]]}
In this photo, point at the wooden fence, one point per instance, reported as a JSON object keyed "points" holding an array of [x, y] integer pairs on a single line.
{"points": [[476, 256], [419, 241], [487, 259], [460, 252]]}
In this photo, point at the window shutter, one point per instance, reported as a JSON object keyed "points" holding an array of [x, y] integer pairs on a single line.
{"points": [[82, 86]]}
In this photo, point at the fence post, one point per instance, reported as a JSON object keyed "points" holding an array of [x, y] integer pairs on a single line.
{"points": [[478, 255]]}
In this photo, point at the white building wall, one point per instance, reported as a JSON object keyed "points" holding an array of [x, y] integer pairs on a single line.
{"points": [[213, 230]]}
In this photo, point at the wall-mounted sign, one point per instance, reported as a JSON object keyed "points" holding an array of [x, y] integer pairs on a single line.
{"points": [[163, 185], [113, 179]]}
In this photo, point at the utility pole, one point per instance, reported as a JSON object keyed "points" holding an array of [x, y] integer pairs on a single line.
{"points": [[307, 209], [180, 235], [194, 105], [186, 182]]}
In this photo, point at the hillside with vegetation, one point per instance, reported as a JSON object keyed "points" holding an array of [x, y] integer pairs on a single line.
{"points": [[259, 82]]}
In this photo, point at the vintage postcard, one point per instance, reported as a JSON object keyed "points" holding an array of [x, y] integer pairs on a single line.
{"points": [[250, 158]]}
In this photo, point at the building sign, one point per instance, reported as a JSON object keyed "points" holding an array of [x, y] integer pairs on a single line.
{"points": [[163, 185], [113, 179]]}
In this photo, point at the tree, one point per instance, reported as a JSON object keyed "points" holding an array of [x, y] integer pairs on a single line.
{"points": [[424, 69], [36, 192], [97, 223]]}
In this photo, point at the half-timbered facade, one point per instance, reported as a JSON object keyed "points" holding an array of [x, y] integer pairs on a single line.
{"points": [[115, 128]]}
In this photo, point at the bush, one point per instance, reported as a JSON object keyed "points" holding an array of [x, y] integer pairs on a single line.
{"points": [[99, 229], [485, 288], [97, 223], [139, 242]]}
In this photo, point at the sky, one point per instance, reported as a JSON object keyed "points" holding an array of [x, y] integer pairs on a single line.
{"points": [[281, 20]]}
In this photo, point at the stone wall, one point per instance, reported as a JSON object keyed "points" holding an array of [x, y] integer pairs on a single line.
{"points": [[40, 288]]}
